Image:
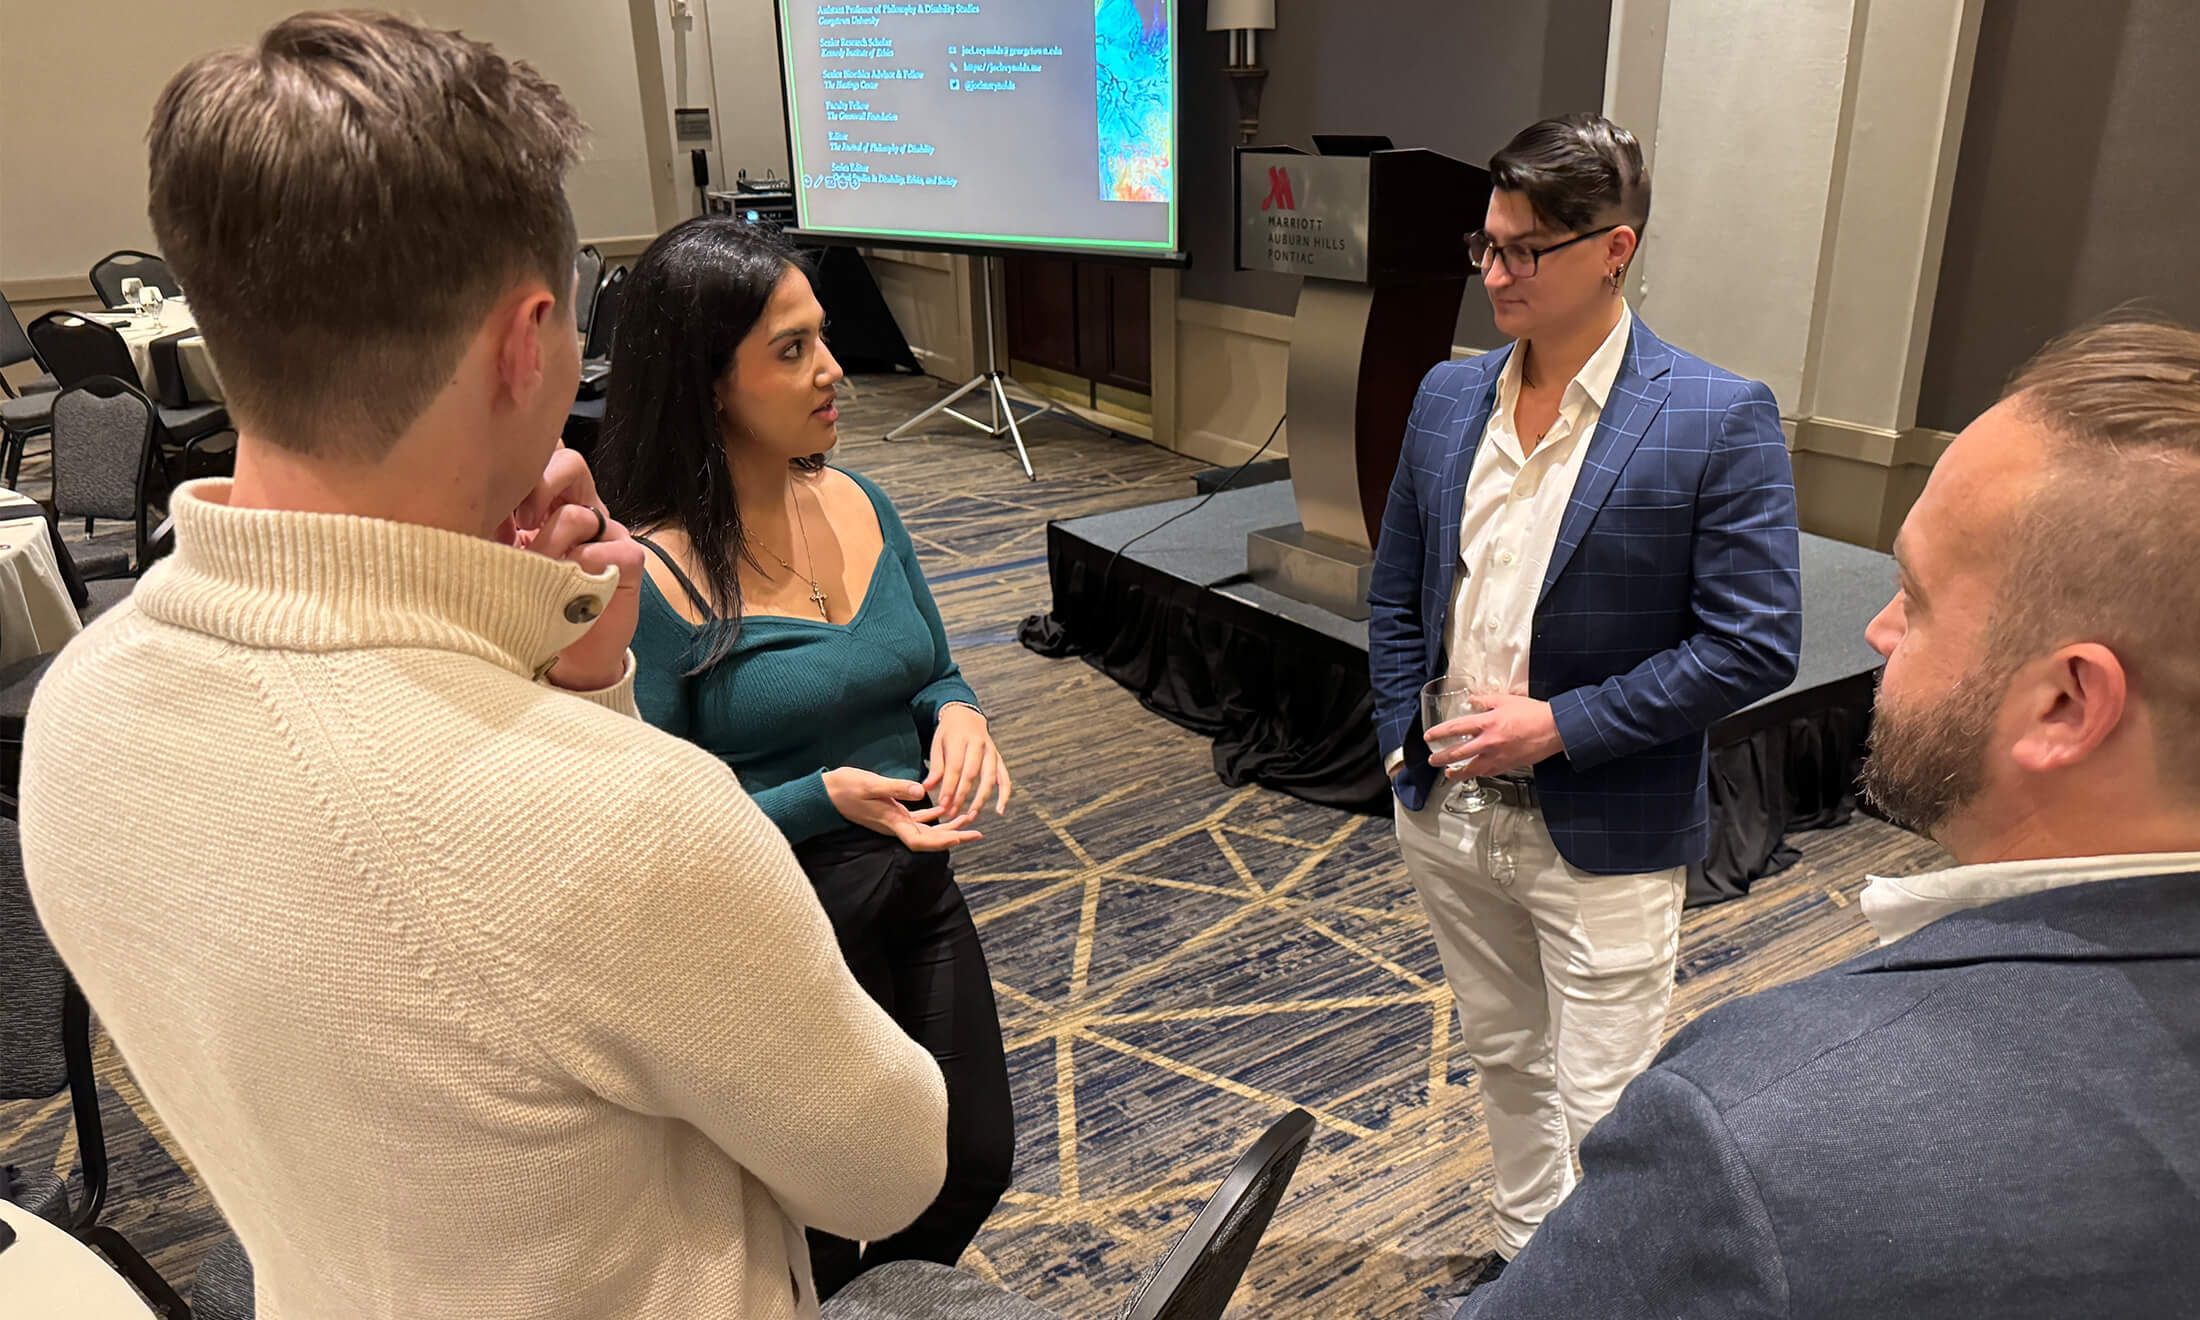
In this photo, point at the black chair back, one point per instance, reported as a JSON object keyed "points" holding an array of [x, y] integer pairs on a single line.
{"points": [[604, 317], [103, 450], [75, 349], [15, 346], [115, 267], [587, 280], [1196, 1279]]}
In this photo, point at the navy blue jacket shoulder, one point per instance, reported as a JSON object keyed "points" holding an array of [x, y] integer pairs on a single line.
{"points": [[1996, 1117], [1673, 596]]}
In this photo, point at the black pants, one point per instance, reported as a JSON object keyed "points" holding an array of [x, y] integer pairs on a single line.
{"points": [[908, 937]]}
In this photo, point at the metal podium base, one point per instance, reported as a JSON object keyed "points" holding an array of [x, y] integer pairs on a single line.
{"points": [[1305, 566]]}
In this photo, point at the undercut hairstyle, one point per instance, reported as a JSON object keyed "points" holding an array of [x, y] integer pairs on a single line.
{"points": [[2105, 550], [1578, 172], [345, 201]]}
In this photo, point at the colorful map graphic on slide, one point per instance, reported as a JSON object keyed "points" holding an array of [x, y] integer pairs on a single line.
{"points": [[1135, 85]]}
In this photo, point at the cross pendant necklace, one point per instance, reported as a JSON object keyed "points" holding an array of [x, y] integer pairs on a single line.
{"points": [[817, 593]]}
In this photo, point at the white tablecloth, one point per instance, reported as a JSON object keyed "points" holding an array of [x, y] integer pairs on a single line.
{"points": [[48, 1275], [36, 615], [139, 331]]}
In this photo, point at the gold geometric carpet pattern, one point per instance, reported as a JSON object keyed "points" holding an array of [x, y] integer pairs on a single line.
{"points": [[1178, 963]]}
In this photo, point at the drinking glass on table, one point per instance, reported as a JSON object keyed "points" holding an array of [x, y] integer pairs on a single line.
{"points": [[1444, 700]]}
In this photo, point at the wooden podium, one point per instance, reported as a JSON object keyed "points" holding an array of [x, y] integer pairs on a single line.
{"points": [[1380, 237]]}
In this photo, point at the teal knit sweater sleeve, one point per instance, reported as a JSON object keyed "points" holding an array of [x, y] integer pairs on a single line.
{"points": [[947, 686], [801, 808], [664, 693]]}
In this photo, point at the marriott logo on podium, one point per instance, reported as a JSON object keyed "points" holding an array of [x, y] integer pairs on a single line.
{"points": [[1279, 196]]}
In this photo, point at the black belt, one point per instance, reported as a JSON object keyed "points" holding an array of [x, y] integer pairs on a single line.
{"points": [[1512, 791]]}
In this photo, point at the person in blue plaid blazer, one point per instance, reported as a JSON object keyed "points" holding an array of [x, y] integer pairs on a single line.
{"points": [[1595, 533]]}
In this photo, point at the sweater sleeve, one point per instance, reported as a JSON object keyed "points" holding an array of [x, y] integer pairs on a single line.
{"points": [[801, 808], [618, 698], [702, 982], [663, 690], [947, 686]]}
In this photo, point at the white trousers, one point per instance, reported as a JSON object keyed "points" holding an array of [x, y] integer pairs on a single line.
{"points": [[1562, 980]]}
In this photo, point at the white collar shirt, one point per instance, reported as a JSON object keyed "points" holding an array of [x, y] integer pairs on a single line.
{"points": [[1516, 498], [1899, 906]]}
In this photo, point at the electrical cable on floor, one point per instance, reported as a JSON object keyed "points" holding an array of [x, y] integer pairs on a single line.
{"points": [[1235, 473]]}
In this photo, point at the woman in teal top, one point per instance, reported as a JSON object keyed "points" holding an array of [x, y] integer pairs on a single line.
{"points": [[797, 697], [786, 627]]}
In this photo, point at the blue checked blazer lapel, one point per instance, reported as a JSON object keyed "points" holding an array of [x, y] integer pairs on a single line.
{"points": [[1452, 488], [1638, 392]]}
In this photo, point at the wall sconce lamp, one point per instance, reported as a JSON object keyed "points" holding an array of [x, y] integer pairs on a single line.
{"points": [[1244, 20]]}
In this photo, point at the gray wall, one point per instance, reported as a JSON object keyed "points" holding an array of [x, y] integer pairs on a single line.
{"points": [[1457, 77], [2077, 190]]}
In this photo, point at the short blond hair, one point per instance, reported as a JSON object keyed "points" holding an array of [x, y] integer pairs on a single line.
{"points": [[2108, 549], [344, 202]]}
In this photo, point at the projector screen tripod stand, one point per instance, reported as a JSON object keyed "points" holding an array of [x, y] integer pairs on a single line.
{"points": [[995, 384]]}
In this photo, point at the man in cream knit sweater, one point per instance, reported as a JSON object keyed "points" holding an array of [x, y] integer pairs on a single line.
{"points": [[466, 992]]}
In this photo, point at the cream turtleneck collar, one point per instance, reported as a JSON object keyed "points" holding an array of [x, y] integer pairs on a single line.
{"points": [[286, 580]]}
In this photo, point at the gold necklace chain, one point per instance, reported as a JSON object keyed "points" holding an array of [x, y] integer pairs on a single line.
{"points": [[802, 526]]}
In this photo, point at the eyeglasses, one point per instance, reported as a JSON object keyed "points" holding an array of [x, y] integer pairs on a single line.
{"points": [[1521, 261]]}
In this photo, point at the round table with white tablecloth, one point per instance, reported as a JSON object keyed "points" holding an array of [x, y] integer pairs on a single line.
{"points": [[47, 1275], [139, 329], [36, 612]]}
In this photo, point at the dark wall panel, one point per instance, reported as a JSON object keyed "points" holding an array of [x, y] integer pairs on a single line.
{"points": [[2076, 191]]}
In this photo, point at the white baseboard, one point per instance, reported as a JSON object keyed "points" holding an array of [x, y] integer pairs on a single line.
{"points": [[1226, 450], [1919, 446]]}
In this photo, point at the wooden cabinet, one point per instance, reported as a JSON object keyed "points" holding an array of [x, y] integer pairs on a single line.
{"points": [[1082, 318]]}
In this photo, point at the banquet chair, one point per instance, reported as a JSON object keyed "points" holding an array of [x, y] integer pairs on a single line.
{"points": [[104, 455], [46, 1044], [25, 413], [115, 267], [603, 320], [15, 349], [585, 418], [1194, 1281], [583, 423], [195, 437], [587, 281]]}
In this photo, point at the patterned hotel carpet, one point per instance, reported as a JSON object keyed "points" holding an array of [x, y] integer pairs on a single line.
{"points": [[1177, 962]]}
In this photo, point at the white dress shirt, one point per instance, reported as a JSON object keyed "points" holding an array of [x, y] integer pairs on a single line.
{"points": [[1902, 906], [1515, 500]]}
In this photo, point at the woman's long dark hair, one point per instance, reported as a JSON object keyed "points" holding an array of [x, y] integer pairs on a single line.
{"points": [[660, 458]]}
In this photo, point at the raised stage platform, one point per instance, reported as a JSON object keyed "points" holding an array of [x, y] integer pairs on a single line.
{"points": [[1282, 686]]}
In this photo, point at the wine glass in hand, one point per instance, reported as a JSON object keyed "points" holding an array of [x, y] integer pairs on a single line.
{"points": [[1444, 700]]}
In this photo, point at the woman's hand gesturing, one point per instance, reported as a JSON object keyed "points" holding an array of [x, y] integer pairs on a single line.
{"points": [[966, 767], [881, 805]]}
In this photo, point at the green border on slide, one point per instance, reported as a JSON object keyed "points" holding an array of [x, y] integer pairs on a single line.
{"points": [[1176, 163]]}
